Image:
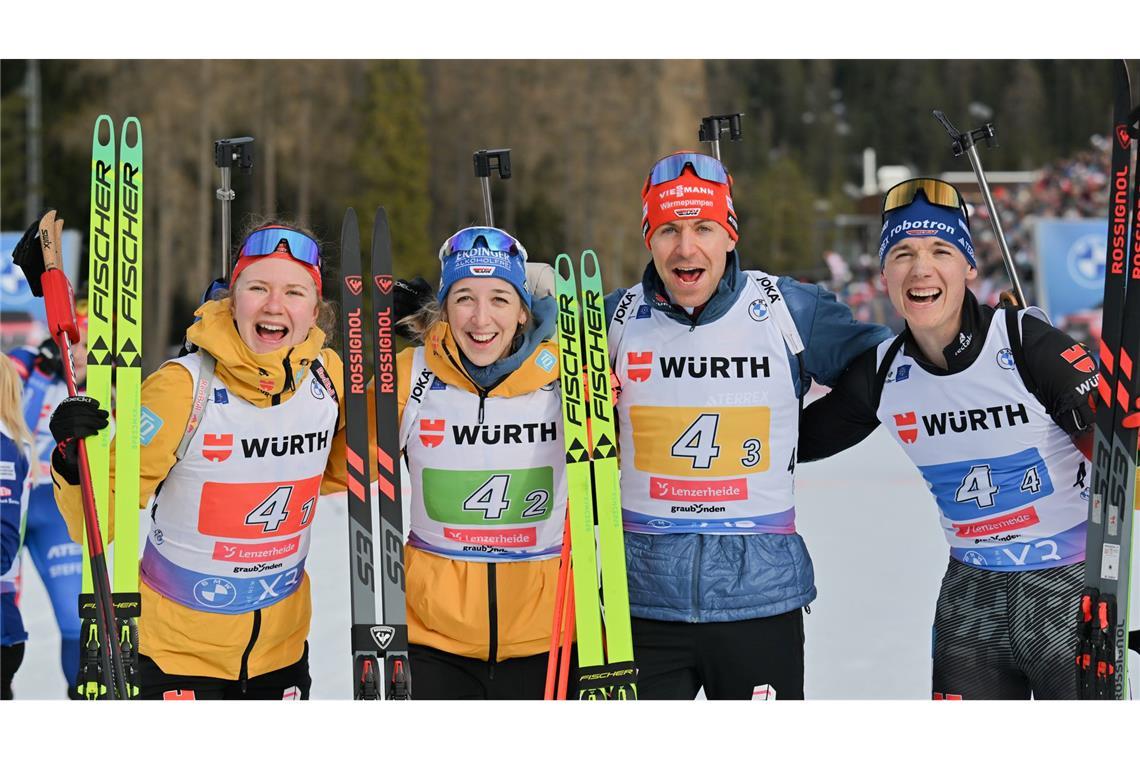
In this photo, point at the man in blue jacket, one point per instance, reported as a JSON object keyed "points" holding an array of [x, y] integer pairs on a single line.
{"points": [[713, 362]]}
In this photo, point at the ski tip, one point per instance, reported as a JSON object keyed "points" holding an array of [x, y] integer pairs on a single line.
{"points": [[349, 214], [590, 268], [101, 121], [127, 143], [563, 260]]}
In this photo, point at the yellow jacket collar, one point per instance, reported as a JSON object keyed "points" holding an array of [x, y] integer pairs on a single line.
{"points": [[254, 377]]}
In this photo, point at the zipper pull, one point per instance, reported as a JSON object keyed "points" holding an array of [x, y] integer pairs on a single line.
{"points": [[482, 398]]}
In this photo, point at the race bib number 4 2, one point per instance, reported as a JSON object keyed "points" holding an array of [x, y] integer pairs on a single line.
{"points": [[696, 441], [480, 497]]}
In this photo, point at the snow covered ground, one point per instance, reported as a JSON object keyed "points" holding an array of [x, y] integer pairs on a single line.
{"points": [[868, 521]]}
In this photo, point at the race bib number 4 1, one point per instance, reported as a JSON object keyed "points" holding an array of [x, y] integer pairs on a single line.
{"points": [[698, 441], [258, 510]]}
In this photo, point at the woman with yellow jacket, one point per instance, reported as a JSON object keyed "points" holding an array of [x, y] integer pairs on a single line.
{"points": [[480, 426], [225, 596]]}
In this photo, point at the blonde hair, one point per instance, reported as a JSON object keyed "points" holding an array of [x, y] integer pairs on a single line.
{"points": [[11, 403]]}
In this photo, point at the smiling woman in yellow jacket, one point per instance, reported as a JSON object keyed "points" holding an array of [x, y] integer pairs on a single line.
{"points": [[481, 428], [225, 596]]}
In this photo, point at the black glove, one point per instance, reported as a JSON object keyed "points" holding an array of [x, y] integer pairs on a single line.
{"points": [[76, 417], [48, 358], [408, 297], [29, 257]]}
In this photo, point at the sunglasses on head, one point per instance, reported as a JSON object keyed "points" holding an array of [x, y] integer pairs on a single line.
{"points": [[264, 241], [936, 191], [491, 238], [671, 167]]}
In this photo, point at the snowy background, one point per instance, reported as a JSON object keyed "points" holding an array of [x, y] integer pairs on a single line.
{"points": [[870, 526]]}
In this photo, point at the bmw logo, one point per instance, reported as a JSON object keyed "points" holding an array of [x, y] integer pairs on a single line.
{"points": [[215, 592], [1005, 359], [1086, 260], [317, 390], [659, 523], [758, 310]]}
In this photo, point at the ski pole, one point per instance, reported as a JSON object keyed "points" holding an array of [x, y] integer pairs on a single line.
{"points": [[712, 127], [485, 160], [230, 152], [58, 300], [966, 142]]}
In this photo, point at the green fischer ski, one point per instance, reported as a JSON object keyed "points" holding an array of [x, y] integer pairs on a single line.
{"points": [[100, 358], [580, 507], [128, 382], [592, 480], [620, 673]]}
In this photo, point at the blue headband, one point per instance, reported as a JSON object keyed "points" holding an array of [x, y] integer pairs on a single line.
{"points": [[483, 262], [923, 219]]}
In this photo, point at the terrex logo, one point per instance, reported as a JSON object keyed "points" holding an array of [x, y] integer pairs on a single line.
{"points": [[907, 425], [640, 365], [384, 282], [354, 284], [1077, 356], [431, 432], [220, 446]]}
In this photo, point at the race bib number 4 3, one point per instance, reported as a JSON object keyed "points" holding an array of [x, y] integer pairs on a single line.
{"points": [[698, 441]]}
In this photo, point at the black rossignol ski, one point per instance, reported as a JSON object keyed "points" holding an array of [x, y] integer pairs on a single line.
{"points": [[1102, 627], [366, 635], [394, 628]]}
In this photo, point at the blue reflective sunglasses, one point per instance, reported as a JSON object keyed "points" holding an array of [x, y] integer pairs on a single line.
{"points": [[491, 238], [266, 240], [671, 167]]}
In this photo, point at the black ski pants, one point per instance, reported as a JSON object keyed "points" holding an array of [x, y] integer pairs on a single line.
{"points": [[730, 660]]}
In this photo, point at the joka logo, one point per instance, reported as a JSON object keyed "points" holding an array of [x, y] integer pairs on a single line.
{"points": [[220, 396], [1005, 359], [382, 635], [1122, 136], [431, 432], [482, 271], [384, 282], [354, 283], [907, 425], [758, 310], [1079, 358], [640, 366], [223, 446]]}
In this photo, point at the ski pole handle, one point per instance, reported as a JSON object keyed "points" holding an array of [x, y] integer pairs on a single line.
{"points": [[58, 296]]}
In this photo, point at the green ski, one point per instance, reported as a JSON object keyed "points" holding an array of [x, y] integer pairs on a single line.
{"points": [[608, 671], [100, 359], [128, 382]]}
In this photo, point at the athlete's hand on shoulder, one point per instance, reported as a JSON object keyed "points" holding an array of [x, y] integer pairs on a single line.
{"points": [[76, 417]]}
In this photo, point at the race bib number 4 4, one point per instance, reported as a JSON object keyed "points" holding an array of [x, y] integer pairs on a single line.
{"points": [[701, 441]]}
